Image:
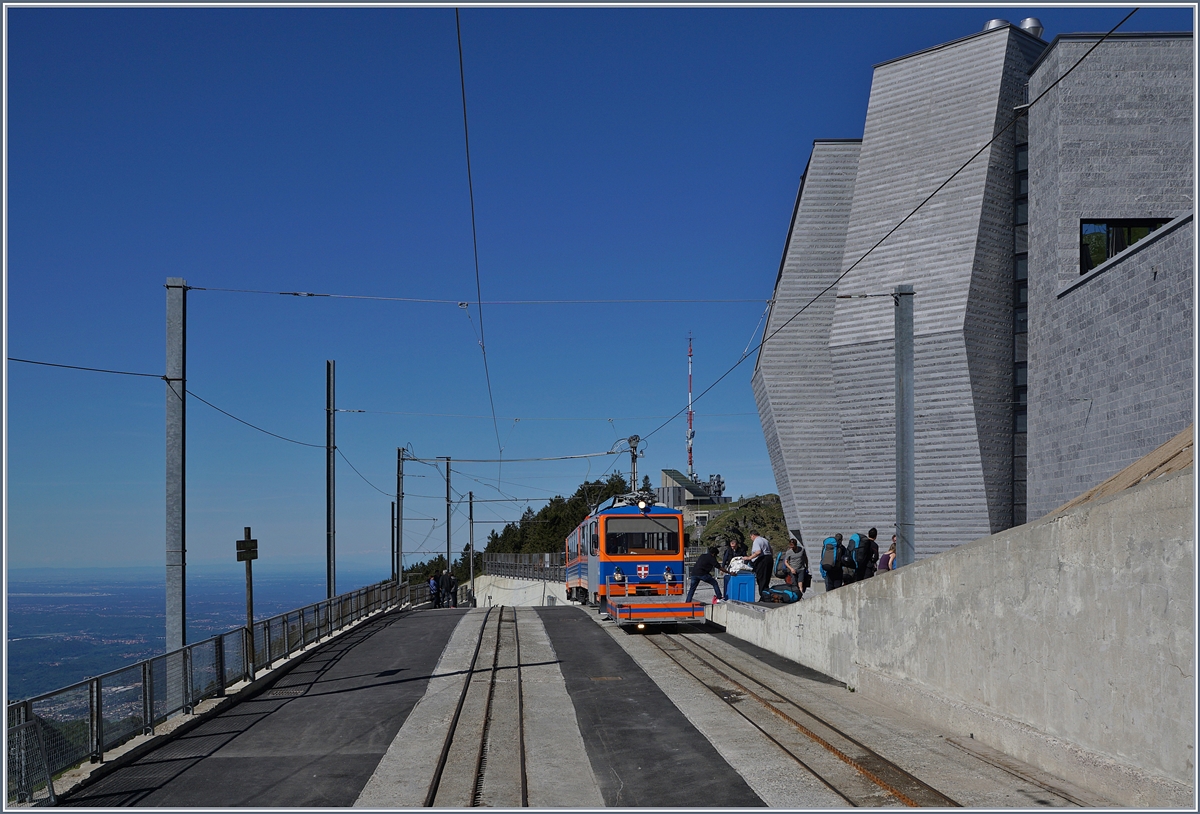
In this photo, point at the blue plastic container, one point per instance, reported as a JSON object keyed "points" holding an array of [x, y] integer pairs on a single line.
{"points": [[741, 586]]}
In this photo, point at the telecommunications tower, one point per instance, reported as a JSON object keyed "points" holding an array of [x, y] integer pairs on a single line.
{"points": [[691, 473]]}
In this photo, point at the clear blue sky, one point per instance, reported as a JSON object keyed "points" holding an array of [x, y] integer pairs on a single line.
{"points": [[616, 154]]}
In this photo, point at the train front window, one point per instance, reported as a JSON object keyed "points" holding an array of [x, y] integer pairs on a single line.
{"points": [[641, 536]]}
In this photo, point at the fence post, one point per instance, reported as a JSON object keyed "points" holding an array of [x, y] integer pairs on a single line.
{"points": [[147, 699], [220, 660], [247, 654], [187, 680], [97, 709], [51, 797]]}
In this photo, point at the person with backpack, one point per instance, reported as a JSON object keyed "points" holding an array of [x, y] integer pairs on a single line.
{"points": [[434, 595], [866, 562], [849, 562], [831, 557], [761, 559], [795, 565]]}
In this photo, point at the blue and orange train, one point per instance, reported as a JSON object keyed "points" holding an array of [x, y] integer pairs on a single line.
{"points": [[627, 558]]}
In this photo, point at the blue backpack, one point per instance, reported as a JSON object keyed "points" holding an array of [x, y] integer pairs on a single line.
{"points": [[829, 555], [849, 561], [780, 593]]}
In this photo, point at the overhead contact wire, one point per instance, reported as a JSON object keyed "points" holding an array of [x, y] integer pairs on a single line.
{"points": [[474, 236], [902, 221], [382, 298]]}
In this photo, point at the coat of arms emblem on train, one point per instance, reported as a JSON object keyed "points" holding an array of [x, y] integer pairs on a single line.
{"points": [[643, 571]]}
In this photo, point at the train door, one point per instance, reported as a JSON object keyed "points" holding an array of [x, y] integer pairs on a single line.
{"points": [[589, 544]]}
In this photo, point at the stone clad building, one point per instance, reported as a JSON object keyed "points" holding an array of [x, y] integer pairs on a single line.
{"points": [[1110, 335], [994, 257]]}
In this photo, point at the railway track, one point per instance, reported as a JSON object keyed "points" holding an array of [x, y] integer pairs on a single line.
{"points": [[848, 767], [479, 765]]}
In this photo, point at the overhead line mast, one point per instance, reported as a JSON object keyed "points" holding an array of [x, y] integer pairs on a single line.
{"points": [[690, 432]]}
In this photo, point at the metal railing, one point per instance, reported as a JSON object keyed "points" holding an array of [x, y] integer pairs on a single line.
{"points": [[55, 731], [549, 567]]}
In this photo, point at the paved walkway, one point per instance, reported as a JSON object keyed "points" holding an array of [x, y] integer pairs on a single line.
{"points": [[313, 739], [612, 721]]}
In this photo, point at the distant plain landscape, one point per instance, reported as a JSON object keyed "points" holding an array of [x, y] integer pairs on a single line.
{"points": [[65, 625]]}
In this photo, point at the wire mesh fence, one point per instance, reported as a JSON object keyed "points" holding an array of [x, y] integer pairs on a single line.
{"points": [[122, 706], [549, 567], [29, 780], [56, 731]]}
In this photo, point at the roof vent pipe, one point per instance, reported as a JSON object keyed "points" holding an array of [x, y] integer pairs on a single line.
{"points": [[994, 24], [1033, 25]]}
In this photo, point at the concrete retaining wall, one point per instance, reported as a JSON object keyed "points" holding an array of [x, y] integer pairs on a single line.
{"points": [[1068, 643], [512, 591]]}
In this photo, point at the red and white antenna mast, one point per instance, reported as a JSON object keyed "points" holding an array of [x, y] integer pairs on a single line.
{"points": [[690, 432]]}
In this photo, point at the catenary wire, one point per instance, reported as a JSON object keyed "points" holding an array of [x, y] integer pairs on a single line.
{"points": [[274, 435], [364, 477], [462, 78], [520, 460], [91, 369], [541, 418], [381, 298], [901, 222]]}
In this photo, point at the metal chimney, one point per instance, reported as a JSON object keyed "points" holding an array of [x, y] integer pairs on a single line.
{"points": [[997, 23], [1033, 25]]}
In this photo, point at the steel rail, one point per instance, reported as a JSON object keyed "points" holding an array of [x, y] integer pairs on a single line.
{"points": [[481, 756], [441, 764], [775, 708], [521, 713], [755, 724], [485, 740]]}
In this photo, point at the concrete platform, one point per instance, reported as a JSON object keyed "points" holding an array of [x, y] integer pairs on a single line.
{"points": [[612, 721]]}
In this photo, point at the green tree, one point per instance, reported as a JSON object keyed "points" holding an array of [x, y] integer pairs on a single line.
{"points": [[546, 530]]}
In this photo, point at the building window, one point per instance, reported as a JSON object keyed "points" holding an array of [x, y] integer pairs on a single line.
{"points": [[1101, 239]]}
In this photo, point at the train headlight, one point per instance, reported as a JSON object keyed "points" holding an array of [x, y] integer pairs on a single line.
{"points": [[642, 505], [618, 575], [641, 626], [668, 574]]}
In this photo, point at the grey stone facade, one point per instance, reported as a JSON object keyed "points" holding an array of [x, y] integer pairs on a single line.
{"points": [[794, 382], [835, 449], [1110, 352], [1113, 141]]}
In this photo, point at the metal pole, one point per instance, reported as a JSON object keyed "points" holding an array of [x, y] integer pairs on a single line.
{"points": [[447, 512], [633, 445], [691, 473], [471, 524], [400, 513], [176, 450], [249, 595], [905, 434], [330, 472], [392, 547]]}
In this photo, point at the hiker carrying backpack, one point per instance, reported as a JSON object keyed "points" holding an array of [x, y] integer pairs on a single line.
{"points": [[832, 552], [780, 570], [847, 562], [866, 556]]}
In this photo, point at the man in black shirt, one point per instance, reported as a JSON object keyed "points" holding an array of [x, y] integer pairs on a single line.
{"points": [[735, 548], [702, 571]]}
